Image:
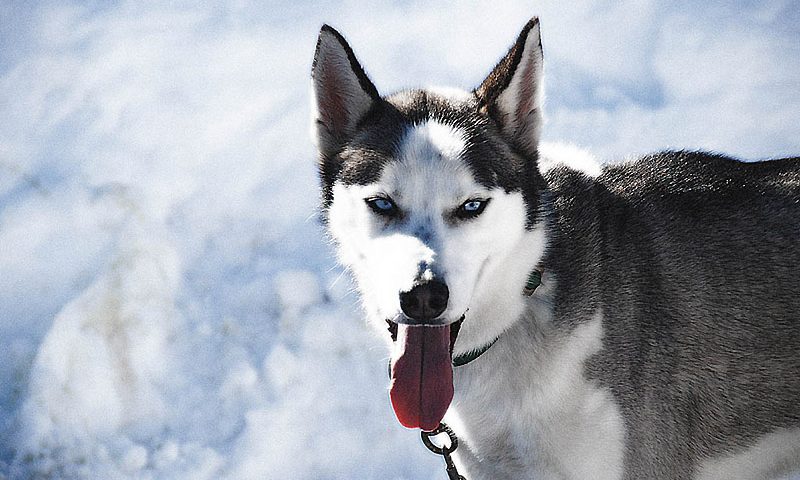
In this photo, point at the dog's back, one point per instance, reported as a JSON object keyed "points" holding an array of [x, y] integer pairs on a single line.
{"points": [[694, 263]]}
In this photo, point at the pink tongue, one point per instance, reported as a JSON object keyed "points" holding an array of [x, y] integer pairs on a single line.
{"points": [[422, 376]]}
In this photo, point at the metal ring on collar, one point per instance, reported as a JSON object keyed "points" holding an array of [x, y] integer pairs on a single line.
{"points": [[443, 450]]}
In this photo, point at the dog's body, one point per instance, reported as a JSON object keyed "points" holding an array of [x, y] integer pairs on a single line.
{"points": [[664, 340]]}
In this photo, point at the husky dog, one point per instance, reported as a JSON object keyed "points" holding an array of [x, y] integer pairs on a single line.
{"points": [[663, 341]]}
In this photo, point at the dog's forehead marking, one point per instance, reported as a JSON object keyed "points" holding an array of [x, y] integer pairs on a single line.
{"points": [[429, 169], [430, 140]]}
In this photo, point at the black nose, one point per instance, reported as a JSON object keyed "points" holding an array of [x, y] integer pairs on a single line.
{"points": [[426, 301]]}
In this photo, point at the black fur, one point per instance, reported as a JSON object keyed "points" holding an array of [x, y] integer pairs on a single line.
{"points": [[356, 67], [500, 77]]}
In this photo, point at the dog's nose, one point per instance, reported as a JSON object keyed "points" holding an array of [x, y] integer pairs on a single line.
{"points": [[426, 301]]}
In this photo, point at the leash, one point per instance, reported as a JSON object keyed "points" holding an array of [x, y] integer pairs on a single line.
{"points": [[444, 450], [534, 280]]}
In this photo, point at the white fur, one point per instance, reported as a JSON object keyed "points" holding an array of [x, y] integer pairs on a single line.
{"points": [[429, 180], [492, 310], [775, 455], [424, 144], [526, 411]]}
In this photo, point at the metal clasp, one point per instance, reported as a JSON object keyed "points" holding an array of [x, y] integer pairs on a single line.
{"points": [[444, 450]]}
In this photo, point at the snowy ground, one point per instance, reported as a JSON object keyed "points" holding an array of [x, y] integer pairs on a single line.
{"points": [[168, 305]]}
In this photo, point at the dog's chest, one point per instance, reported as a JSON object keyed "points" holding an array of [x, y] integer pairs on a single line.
{"points": [[534, 415]]}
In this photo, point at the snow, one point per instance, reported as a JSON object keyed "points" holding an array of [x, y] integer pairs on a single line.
{"points": [[170, 306]]}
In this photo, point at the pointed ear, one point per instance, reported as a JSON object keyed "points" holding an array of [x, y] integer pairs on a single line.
{"points": [[512, 93], [342, 92]]}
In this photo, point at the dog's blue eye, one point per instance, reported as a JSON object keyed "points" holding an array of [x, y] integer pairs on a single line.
{"points": [[471, 208], [382, 206]]}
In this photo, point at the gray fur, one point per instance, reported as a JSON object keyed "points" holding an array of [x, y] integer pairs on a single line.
{"points": [[693, 259]]}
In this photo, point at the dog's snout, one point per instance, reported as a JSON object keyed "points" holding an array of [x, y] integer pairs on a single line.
{"points": [[425, 301]]}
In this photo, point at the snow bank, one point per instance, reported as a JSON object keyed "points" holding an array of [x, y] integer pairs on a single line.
{"points": [[103, 363]]}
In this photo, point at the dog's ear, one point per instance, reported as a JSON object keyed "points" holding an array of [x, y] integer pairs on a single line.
{"points": [[512, 93], [343, 93]]}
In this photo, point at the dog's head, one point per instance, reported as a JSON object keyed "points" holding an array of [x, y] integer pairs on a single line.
{"points": [[429, 194]]}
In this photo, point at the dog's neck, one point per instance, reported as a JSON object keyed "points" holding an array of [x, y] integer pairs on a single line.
{"points": [[499, 301]]}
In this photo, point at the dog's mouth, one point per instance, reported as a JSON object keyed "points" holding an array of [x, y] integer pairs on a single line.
{"points": [[421, 386], [454, 328]]}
